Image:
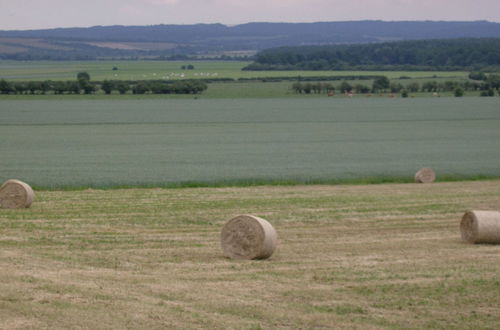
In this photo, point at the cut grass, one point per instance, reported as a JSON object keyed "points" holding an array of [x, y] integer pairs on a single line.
{"points": [[358, 256]]}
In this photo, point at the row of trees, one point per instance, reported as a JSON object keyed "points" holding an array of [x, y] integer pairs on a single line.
{"points": [[383, 84], [85, 86]]}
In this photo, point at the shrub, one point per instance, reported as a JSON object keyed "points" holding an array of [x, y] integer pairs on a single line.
{"points": [[458, 92]]}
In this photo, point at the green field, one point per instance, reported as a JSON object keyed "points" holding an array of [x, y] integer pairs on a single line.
{"points": [[162, 142], [349, 257], [147, 70]]}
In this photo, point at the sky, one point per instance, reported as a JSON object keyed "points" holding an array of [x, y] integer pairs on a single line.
{"points": [[40, 14]]}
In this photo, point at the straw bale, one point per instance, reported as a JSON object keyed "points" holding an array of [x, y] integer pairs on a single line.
{"points": [[248, 237], [15, 194], [481, 227], [425, 175]]}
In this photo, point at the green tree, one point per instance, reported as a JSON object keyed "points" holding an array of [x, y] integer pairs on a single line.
{"points": [[396, 87], [83, 76], [73, 87], [477, 76], [88, 88], [107, 86], [83, 79], [345, 87], [489, 92], [361, 89], [122, 87], [307, 88], [45, 86], [59, 87], [458, 92], [6, 87], [429, 86], [21, 88], [413, 87], [381, 84], [494, 81], [33, 86], [329, 88], [140, 88], [297, 88]]}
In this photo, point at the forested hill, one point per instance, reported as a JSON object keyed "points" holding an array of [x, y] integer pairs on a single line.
{"points": [[448, 54], [168, 40]]}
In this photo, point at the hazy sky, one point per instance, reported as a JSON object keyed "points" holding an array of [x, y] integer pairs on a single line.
{"points": [[36, 14]]}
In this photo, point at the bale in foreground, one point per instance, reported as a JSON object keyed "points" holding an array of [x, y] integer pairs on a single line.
{"points": [[248, 237], [425, 175], [481, 227], [15, 194]]}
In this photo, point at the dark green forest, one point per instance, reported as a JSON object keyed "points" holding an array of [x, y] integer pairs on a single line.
{"points": [[448, 54]]}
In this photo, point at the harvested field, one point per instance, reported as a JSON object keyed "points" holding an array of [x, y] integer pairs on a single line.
{"points": [[377, 256]]}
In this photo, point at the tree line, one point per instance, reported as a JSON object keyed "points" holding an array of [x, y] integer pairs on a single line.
{"points": [[449, 54], [488, 85], [83, 85]]}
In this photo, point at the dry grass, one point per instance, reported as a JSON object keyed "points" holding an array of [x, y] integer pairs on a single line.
{"points": [[379, 256]]}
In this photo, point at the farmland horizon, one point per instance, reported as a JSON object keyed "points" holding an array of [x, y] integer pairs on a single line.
{"points": [[130, 132]]}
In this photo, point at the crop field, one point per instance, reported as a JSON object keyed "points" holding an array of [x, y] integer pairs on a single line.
{"points": [[158, 142], [148, 70], [350, 257]]}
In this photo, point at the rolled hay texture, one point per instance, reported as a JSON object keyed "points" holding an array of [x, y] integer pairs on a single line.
{"points": [[481, 227], [248, 237], [425, 175], [15, 194]]}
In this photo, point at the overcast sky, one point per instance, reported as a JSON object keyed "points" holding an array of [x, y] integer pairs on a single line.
{"points": [[37, 14]]}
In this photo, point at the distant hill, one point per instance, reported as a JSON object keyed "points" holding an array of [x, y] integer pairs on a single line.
{"points": [[442, 54], [218, 40]]}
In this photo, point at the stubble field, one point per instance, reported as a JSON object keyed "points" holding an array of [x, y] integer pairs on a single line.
{"points": [[357, 257]]}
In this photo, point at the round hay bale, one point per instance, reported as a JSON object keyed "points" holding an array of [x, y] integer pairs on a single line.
{"points": [[425, 175], [481, 227], [248, 237], [15, 194]]}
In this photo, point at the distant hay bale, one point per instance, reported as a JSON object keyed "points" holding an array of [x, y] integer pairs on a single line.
{"points": [[425, 175], [248, 237], [15, 194], [481, 227]]}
